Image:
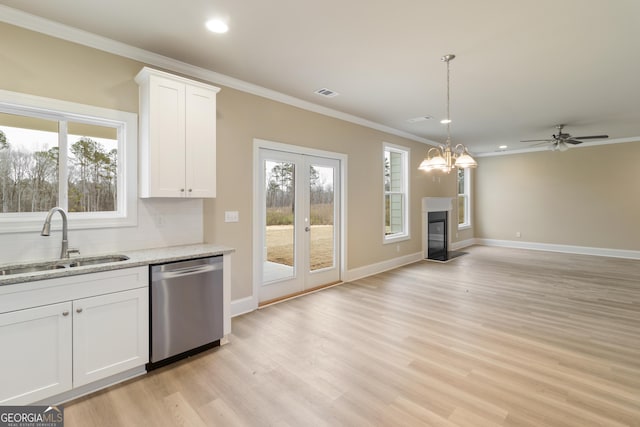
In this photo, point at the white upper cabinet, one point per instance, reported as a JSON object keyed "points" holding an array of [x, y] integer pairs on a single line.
{"points": [[177, 136]]}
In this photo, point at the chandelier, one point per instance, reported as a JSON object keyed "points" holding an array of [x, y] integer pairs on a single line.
{"points": [[445, 157]]}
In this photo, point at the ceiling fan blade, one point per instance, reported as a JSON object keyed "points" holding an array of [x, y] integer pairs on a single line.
{"points": [[571, 141], [591, 137], [536, 140]]}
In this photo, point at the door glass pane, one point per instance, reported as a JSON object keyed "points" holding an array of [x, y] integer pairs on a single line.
{"points": [[93, 167], [28, 163], [280, 221], [321, 213]]}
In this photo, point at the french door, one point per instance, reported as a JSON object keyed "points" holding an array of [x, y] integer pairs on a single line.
{"points": [[300, 229]]}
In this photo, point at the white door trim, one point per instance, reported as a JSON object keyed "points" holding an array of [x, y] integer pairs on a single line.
{"points": [[256, 229]]}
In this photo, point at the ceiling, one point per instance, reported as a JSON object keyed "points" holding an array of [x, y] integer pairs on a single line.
{"points": [[521, 67]]}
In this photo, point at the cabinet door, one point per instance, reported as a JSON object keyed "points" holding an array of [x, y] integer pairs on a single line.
{"points": [[110, 334], [166, 138], [200, 131], [35, 360]]}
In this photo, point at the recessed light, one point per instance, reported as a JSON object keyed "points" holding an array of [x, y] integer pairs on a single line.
{"points": [[445, 121], [503, 147], [217, 26]]}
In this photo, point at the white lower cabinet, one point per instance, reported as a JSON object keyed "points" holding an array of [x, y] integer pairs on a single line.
{"points": [[110, 335], [35, 360], [56, 348]]}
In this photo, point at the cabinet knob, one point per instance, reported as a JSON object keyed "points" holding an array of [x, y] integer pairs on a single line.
{"points": [[182, 190], [78, 310], [65, 313], [190, 190]]}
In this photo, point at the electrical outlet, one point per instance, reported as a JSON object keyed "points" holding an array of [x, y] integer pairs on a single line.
{"points": [[231, 216], [518, 235], [397, 248]]}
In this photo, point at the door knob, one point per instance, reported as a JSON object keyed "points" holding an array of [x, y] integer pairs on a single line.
{"points": [[307, 228]]}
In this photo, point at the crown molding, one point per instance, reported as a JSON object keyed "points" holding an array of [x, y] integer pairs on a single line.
{"points": [[54, 29], [543, 148]]}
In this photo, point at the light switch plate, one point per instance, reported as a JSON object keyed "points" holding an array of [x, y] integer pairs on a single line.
{"points": [[231, 216]]}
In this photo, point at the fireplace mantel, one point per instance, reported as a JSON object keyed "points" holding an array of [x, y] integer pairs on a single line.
{"points": [[437, 204]]}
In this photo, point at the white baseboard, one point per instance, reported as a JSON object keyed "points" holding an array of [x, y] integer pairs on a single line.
{"points": [[243, 305], [462, 244], [248, 304], [369, 270], [581, 250]]}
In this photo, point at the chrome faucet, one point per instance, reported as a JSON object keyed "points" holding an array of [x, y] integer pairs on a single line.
{"points": [[46, 229]]}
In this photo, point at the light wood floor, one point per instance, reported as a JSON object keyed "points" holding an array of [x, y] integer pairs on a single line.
{"points": [[498, 337]]}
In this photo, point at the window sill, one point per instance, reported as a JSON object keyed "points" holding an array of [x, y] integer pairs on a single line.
{"points": [[33, 223], [389, 240], [465, 227]]}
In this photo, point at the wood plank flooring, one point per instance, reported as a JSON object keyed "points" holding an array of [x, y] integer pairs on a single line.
{"points": [[498, 337]]}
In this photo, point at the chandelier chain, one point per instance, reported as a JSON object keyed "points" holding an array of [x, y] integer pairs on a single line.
{"points": [[448, 102], [448, 157]]}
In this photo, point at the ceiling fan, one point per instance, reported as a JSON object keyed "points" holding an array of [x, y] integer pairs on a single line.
{"points": [[560, 141]]}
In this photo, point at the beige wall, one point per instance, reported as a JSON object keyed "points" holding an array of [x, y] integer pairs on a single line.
{"points": [[586, 196], [40, 65], [35, 64], [243, 117]]}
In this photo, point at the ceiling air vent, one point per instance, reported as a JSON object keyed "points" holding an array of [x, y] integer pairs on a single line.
{"points": [[326, 92], [419, 119]]}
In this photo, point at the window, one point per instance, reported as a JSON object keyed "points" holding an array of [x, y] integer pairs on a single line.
{"points": [[464, 198], [396, 193], [77, 157]]}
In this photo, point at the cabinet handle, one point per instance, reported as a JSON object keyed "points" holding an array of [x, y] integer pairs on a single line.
{"points": [[65, 313], [78, 310]]}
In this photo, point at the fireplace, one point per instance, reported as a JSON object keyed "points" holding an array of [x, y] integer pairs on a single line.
{"points": [[437, 236]]}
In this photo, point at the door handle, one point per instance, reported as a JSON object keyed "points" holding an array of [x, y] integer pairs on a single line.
{"points": [[307, 228]]}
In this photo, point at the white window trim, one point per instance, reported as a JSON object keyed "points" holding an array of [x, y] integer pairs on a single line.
{"points": [[467, 191], [394, 238], [127, 124]]}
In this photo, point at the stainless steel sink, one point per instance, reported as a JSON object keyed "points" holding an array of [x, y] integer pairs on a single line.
{"points": [[30, 268], [97, 260], [60, 264]]}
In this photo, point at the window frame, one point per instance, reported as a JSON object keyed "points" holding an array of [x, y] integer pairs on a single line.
{"points": [[406, 156], [126, 124], [467, 199]]}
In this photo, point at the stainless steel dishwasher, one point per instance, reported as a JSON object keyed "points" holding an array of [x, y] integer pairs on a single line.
{"points": [[186, 309]]}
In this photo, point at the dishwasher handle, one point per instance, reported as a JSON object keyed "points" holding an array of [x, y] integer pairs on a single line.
{"points": [[186, 271]]}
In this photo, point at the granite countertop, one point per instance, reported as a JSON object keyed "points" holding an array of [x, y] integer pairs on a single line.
{"points": [[136, 258]]}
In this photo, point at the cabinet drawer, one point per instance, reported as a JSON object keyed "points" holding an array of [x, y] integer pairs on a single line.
{"points": [[43, 292]]}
